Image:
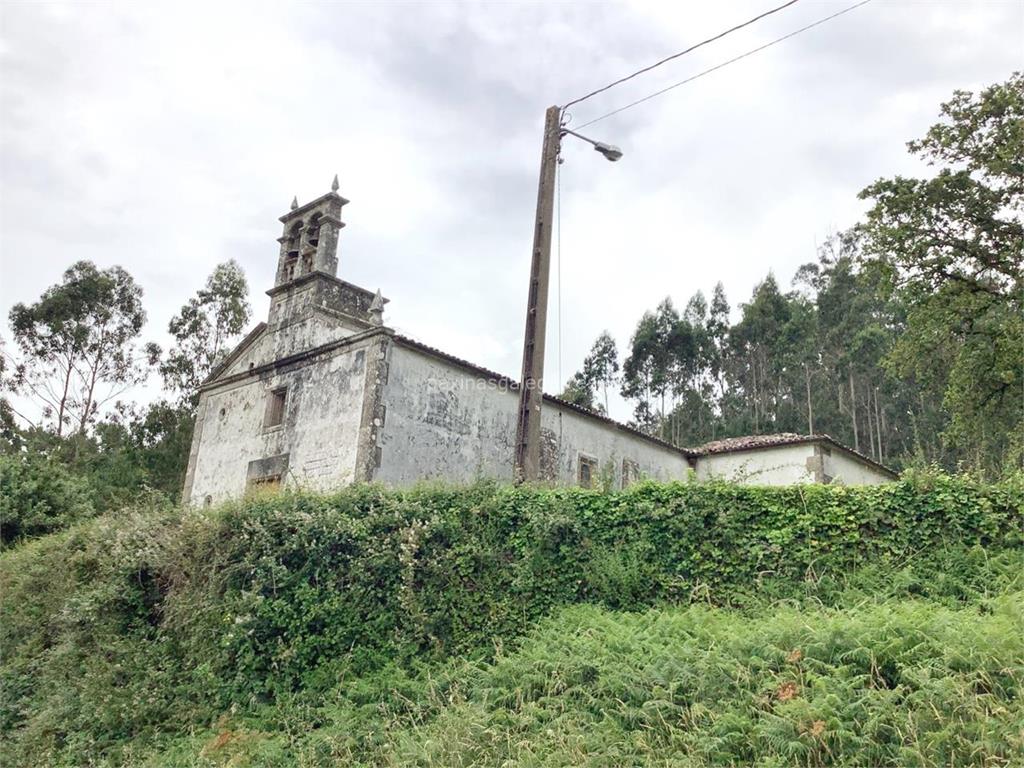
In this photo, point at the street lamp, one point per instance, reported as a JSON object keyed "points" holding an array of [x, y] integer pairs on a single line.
{"points": [[610, 151], [531, 387]]}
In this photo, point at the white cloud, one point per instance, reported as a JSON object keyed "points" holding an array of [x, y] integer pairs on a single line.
{"points": [[168, 138]]}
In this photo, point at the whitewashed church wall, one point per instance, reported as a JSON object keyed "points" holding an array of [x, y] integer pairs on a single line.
{"points": [[444, 421], [299, 336], [318, 434], [569, 435]]}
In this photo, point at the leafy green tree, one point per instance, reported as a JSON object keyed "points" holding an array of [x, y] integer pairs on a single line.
{"points": [[10, 434], [757, 343], [77, 344], [579, 391], [647, 371], [954, 243], [138, 449], [716, 331], [600, 368], [38, 495], [204, 331], [601, 365]]}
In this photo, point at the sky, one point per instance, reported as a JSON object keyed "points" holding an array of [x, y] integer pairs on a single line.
{"points": [[167, 138]]}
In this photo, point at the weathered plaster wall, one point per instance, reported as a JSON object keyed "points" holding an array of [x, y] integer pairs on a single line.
{"points": [[282, 340], [439, 424], [319, 433], [569, 434], [848, 470], [787, 464], [443, 421], [780, 465]]}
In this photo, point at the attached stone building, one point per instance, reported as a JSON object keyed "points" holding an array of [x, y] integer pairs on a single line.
{"points": [[323, 394], [784, 459]]}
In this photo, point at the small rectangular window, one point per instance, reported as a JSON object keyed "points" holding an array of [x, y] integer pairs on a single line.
{"points": [[275, 407], [587, 471]]}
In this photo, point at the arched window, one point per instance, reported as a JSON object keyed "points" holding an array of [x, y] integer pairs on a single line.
{"points": [[313, 231], [294, 238], [291, 259]]}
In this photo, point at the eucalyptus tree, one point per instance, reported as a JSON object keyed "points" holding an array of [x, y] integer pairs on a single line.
{"points": [[601, 365], [77, 344], [204, 330]]}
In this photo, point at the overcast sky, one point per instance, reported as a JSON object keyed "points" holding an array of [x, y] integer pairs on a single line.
{"points": [[169, 138]]}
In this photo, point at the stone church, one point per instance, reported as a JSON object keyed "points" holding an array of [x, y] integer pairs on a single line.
{"points": [[323, 394]]}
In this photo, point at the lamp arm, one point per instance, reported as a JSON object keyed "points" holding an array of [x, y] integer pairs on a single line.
{"points": [[578, 136]]}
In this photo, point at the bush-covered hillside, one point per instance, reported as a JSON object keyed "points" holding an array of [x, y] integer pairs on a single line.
{"points": [[726, 625]]}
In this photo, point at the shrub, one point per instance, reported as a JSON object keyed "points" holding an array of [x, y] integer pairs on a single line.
{"points": [[158, 616], [38, 496]]}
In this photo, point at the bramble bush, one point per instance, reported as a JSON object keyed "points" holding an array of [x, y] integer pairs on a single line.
{"points": [[125, 627]]}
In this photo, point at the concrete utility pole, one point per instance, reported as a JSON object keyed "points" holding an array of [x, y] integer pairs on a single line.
{"points": [[531, 392]]}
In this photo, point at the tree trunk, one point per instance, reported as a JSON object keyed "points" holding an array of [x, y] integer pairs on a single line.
{"points": [[753, 394], [853, 414], [871, 434], [87, 405], [885, 428], [810, 407], [64, 399], [878, 425]]}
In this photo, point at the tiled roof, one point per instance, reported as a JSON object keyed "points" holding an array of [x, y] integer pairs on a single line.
{"points": [[748, 442]]}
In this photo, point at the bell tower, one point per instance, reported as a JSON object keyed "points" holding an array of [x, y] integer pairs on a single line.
{"points": [[307, 283], [309, 242]]}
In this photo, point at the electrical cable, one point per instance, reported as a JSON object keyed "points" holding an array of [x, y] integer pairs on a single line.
{"points": [[719, 36], [725, 63], [558, 267], [558, 259]]}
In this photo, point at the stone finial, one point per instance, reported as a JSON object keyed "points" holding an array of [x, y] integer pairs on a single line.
{"points": [[377, 309], [295, 202], [335, 184]]}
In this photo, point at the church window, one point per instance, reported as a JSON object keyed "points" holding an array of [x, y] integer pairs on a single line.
{"points": [[587, 471], [275, 407]]}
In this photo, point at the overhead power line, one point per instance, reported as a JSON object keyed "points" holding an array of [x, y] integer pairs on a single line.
{"points": [[724, 63], [719, 36]]}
